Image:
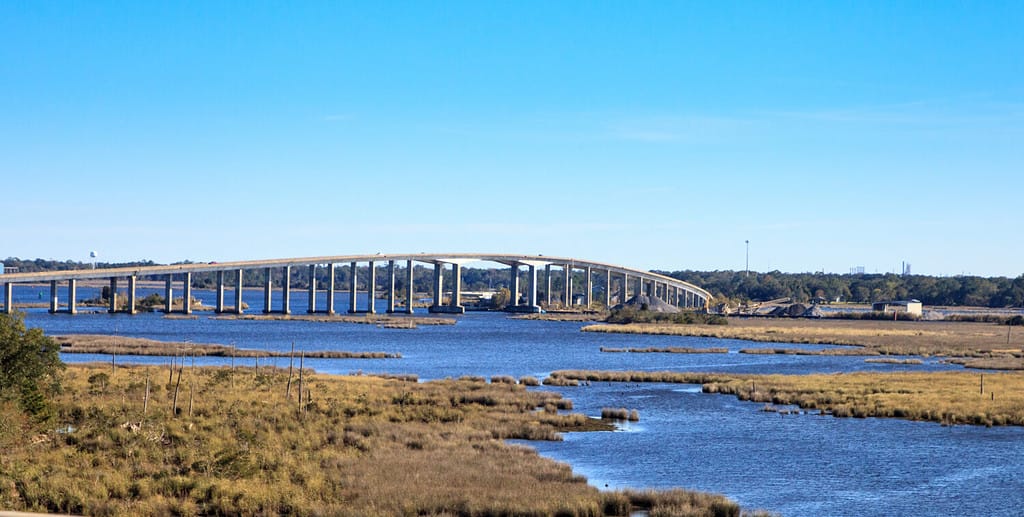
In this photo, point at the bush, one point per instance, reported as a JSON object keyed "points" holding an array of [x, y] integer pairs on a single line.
{"points": [[29, 366]]}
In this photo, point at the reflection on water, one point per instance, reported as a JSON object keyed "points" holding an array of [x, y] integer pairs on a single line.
{"points": [[793, 464]]}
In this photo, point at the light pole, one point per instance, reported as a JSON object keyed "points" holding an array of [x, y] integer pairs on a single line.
{"points": [[746, 271]]}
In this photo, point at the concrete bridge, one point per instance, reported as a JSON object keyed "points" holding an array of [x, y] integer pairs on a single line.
{"points": [[629, 282]]}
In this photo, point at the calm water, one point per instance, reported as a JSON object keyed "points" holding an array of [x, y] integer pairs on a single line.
{"points": [[795, 465]]}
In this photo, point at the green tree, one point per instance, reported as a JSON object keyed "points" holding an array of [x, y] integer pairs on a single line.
{"points": [[30, 366]]}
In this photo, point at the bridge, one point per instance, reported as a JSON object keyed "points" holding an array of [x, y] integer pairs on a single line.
{"points": [[627, 280]]}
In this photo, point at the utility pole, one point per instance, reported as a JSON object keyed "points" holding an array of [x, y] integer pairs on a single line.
{"points": [[746, 271]]}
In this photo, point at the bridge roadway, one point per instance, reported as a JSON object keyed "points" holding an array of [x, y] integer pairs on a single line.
{"points": [[675, 292]]}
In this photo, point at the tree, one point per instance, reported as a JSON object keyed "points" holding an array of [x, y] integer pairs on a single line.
{"points": [[30, 366]]}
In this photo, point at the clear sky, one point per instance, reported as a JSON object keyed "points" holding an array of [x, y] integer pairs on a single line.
{"points": [[650, 134]]}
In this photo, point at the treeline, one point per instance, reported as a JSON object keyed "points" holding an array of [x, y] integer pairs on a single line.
{"points": [[864, 288]]}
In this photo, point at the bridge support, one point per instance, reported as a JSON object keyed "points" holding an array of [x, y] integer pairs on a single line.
{"points": [[371, 289], [286, 291], [513, 287], [330, 288], [409, 287], [238, 291], [131, 294], [391, 287], [352, 285], [220, 293], [8, 298], [169, 294], [312, 289], [186, 294], [72, 307], [567, 286], [547, 287], [53, 296], [268, 289], [532, 286], [113, 295], [608, 289]]}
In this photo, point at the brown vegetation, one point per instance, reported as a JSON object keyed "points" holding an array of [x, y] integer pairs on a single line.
{"points": [[944, 397], [119, 345], [126, 443], [923, 338], [668, 350]]}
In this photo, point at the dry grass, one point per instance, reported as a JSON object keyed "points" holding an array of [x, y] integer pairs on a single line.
{"points": [[118, 345], [354, 446], [944, 397], [668, 350], [924, 338]]}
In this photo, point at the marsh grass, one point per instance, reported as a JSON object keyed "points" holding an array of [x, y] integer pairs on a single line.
{"points": [[921, 338], [667, 350], [120, 345], [943, 397], [354, 445]]}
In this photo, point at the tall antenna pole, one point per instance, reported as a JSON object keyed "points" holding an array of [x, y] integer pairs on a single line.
{"points": [[746, 271]]}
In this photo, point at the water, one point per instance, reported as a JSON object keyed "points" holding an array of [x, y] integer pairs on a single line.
{"points": [[794, 464]]}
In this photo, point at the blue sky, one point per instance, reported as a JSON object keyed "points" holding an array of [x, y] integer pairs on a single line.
{"points": [[651, 134]]}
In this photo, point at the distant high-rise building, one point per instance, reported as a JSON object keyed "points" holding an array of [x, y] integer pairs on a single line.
{"points": [[857, 270]]}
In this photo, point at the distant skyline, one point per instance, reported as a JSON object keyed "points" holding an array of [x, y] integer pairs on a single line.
{"points": [[653, 135]]}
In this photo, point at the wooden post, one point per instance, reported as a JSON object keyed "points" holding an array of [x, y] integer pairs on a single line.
{"points": [[145, 401], [191, 388], [174, 405], [291, 362], [302, 356], [983, 384]]}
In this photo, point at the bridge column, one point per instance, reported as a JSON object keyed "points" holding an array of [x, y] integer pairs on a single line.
{"points": [[169, 294], [624, 296], [391, 286], [8, 298], [371, 288], [53, 296], [513, 286], [220, 293], [312, 289], [547, 280], [532, 286], [268, 289], [72, 307], [186, 294], [567, 288], [409, 288], [438, 286], [588, 289], [608, 289], [113, 295], [330, 288], [456, 302], [286, 290], [238, 292], [131, 294], [353, 283]]}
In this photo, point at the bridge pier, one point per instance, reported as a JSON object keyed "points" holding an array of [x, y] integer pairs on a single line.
{"points": [[220, 293], [532, 281], [588, 288], [238, 291], [391, 287], [169, 294], [53, 296], [268, 289], [330, 288], [547, 288], [132, 280], [608, 289], [371, 289], [311, 308], [72, 305], [513, 287], [410, 288], [286, 291], [352, 285], [186, 295], [567, 286]]}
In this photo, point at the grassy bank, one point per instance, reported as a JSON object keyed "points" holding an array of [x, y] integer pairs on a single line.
{"points": [[118, 345], [923, 338], [666, 350], [138, 441], [944, 397]]}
